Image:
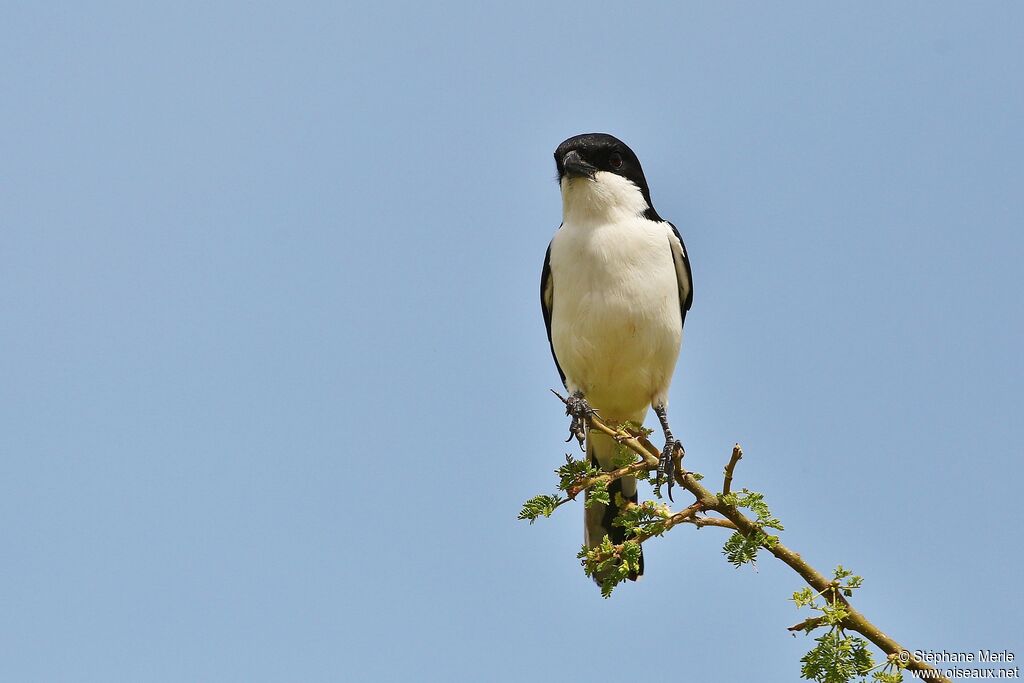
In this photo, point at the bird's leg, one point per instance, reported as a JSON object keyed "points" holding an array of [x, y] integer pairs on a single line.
{"points": [[666, 465], [577, 407]]}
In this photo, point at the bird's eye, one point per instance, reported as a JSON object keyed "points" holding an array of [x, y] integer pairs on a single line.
{"points": [[615, 160]]}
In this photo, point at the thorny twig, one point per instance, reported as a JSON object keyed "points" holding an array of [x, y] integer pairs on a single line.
{"points": [[707, 501]]}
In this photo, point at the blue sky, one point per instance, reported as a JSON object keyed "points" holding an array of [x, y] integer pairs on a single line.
{"points": [[275, 380]]}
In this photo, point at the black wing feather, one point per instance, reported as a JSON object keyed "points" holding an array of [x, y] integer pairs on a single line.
{"points": [[684, 276], [547, 297]]}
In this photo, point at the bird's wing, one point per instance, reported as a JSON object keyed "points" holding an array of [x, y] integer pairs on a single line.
{"points": [[547, 300], [684, 277]]}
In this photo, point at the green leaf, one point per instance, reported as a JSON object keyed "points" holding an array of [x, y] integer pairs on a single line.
{"points": [[803, 598], [636, 428], [604, 564], [538, 506], [753, 501], [647, 517], [598, 493], [741, 550], [631, 554], [623, 456], [834, 613], [574, 471], [841, 573], [837, 658]]}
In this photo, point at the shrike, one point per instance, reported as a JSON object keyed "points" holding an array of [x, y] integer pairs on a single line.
{"points": [[615, 289]]}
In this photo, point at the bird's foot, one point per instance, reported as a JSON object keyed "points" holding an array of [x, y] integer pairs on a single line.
{"points": [[580, 411], [667, 462]]}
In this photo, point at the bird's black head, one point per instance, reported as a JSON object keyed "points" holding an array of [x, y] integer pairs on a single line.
{"points": [[583, 156]]}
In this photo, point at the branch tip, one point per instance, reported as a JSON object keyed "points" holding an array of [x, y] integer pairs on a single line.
{"points": [[737, 455]]}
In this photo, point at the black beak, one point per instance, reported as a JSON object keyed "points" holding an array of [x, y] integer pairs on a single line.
{"points": [[574, 166]]}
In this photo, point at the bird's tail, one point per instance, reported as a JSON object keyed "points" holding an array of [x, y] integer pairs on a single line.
{"points": [[597, 520]]}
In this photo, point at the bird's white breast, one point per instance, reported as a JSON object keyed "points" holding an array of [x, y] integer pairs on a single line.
{"points": [[615, 326]]}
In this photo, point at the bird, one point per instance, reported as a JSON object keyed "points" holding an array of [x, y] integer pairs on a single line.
{"points": [[615, 290]]}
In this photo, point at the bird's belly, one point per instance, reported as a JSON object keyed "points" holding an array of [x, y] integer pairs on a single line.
{"points": [[617, 336]]}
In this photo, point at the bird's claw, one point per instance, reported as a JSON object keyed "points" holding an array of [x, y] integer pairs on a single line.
{"points": [[580, 411], [667, 463]]}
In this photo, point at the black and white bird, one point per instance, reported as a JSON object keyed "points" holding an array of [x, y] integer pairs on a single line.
{"points": [[615, 289]]}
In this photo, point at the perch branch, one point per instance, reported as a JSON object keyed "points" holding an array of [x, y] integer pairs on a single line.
{"points": [[735, 519]]}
